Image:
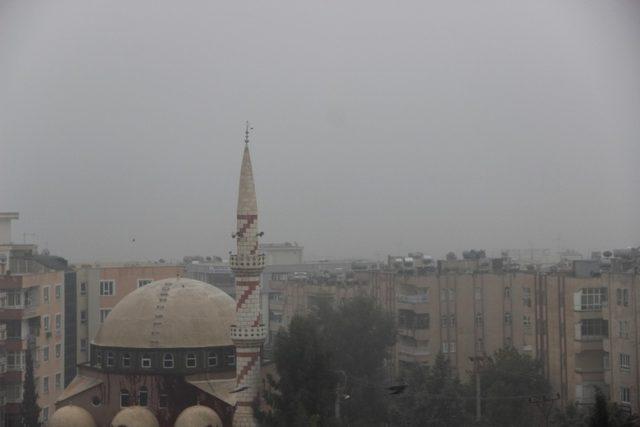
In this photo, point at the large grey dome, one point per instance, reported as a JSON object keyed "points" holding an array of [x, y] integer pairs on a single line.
{"points": [[170, 313]]}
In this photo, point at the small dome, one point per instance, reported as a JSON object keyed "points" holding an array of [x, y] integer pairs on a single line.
{"points": [[198, 416], [134, 416], [170, 313], [71, 416]]}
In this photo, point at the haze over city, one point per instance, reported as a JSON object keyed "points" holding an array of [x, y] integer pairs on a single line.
{"points": [[378, 128]]}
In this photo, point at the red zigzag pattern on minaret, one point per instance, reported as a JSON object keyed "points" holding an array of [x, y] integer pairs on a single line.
{"points": [[250, 220], [251, 286], [246, 369]]}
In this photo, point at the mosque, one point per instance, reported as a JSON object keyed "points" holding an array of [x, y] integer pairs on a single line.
{"points": [[178, 352]]}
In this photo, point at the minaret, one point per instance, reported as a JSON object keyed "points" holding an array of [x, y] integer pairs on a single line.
{"points": [[248, 333]]}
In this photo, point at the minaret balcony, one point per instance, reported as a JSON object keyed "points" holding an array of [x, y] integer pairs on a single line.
{"points": [[257, 333], [247, 261]]}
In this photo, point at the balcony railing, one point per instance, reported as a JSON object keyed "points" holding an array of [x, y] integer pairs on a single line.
{"points": [[413, 351], [413, 299]]}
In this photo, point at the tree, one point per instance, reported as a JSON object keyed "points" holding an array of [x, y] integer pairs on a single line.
{"points": [[29, 409], [434, 397], [305, 390], [570, 416], [325, 356], [611, 414], [359, 335], [508, 380]]}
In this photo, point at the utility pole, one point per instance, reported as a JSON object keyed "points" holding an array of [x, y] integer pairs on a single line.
{"points": [[478, 362], [339, 393], [545, 405]]}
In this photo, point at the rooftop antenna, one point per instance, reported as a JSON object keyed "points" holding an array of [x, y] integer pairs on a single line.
{"points": [[246, 133]]}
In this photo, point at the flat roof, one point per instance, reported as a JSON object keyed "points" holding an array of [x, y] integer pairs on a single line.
{"points": [[9, 215]]}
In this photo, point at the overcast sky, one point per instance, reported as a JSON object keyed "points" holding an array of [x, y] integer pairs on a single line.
{"points": [[380, 127]]}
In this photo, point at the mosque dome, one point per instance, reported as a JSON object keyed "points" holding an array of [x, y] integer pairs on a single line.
{"points": [[134, 416], [71, 416], [170, 313], [198, 416]]}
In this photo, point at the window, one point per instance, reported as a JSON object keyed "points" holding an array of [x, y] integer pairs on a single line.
{"points": [[625, 394], [110, 359], [45, 414], [479, 320], [623, 327], [231, 359], [422, 321], [45, 385], [107, 288], [605, 361], [58, 381], [143, 396], [46, 324], [58, 292], [58, 350], [45, 354], [83, 345], [58, 322], [14, 299], [622, 296], [83, 316], [526, 324], [447, 294], [445, 347], [526, 296], [212, 359], [444, 321], [126, 360], [593, 328], [104, 312], [124, 398], [191, 360], [507, 292], [163, 400], [99, 358], [507, 318], [590, 299], [625, 362], [452, 347], [167, 360], [452, 320], [142, 282], [45, 294], [477, 292], [83, 288], [145, 361]]}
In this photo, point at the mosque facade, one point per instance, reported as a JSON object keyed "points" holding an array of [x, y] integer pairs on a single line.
{"points": [[179, 352]]}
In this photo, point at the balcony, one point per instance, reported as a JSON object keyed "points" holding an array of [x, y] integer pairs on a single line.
{"points": [[589, 344], [413, 299], [417, 333], [247, 262]]}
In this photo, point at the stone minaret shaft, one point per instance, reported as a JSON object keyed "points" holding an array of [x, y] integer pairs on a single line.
{"points": [[248, 333]]}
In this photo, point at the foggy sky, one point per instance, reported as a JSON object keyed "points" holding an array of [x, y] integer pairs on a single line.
{"points": [[380, 127]]}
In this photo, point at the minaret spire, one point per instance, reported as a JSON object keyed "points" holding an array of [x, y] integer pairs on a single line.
{"points": [[248, 333]]}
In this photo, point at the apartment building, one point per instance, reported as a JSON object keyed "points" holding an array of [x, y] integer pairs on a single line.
{"points": [[32, 301], [582, 322]]}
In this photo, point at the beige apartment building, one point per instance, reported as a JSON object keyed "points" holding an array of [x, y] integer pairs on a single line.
{"points": [[583, 325]]}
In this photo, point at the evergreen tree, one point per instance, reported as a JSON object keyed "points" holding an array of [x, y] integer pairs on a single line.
{"points": [[305, 390], [29, 408], [434, 397], [600, 411], [508, 380]]}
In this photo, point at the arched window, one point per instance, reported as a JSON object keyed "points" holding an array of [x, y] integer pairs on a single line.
{"points": [[167, 360], [145, 361], [212, 359], [124, 398], [126, 360], [110, 359], [191, 360], [143, 396]]}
